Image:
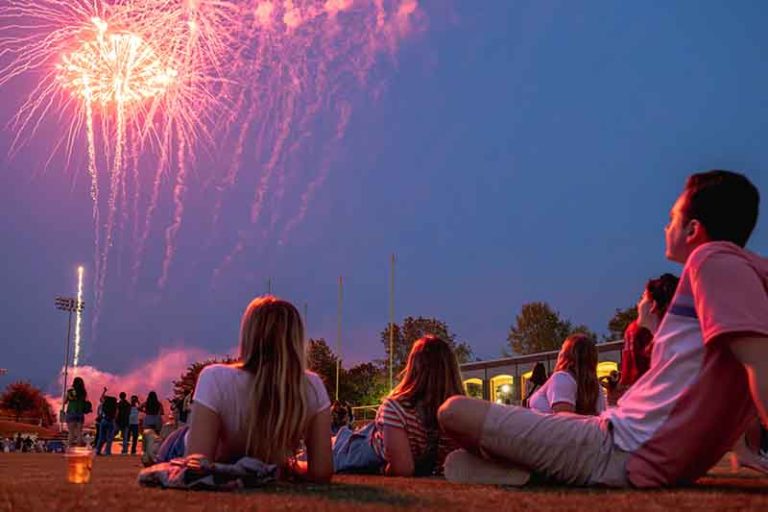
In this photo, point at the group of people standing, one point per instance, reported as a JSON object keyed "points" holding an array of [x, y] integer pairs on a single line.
{"points": [[113, 416]]}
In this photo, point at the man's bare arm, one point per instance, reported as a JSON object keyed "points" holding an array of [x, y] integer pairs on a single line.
{"points": [[752, 351]]}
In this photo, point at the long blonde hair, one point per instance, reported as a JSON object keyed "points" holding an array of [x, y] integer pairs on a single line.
{"points": [[431, 376], [578, 355], [272, 349]]}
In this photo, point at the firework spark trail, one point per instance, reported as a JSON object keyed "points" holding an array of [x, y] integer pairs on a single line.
{"points": [[230, 178], [361, 71], [115, 178], [93, 173], [172, 231], [136, 193], [319, 85], [306, 198], [292, 18], [260, 32], [153, 199], [129, 193], [264, 181], [78, 315], [234, 167], [303, 132], [277, 150], [120, 69], [149, 79], [319, 45]]}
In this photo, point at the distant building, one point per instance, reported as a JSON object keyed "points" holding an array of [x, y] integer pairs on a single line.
{"points": [[504, 380]]}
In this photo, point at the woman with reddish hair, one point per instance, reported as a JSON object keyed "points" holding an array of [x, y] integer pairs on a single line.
{"points": [[405, 439], [638, 337]]}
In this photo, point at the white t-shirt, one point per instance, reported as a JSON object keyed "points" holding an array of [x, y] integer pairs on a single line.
{"points": [[226, 389], [560, 387]]}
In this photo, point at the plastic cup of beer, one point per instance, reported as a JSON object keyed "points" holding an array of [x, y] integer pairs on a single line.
{"points": [[79, 464]]}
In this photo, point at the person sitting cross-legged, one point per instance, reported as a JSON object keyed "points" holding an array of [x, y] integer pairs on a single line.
{"points": [[708, 373]]}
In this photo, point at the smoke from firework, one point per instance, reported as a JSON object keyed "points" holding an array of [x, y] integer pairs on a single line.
{"points": [[156, 374]]}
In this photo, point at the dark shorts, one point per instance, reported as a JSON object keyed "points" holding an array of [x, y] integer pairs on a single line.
{"points": [[75, 417]]}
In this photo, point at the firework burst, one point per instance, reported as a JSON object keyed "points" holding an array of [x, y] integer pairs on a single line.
{"points": [[140, 85], [140, 71]]}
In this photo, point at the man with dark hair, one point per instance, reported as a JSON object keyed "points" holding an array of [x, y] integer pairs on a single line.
{"points": [[724, 203], [708, 372], [122, 420]]}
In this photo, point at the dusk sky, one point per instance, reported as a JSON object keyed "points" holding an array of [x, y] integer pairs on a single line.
{"points": [[506, 151]]}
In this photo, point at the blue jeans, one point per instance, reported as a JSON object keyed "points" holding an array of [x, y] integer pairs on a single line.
{"points": [[173, 446], [130, 432], [353, 451], [106, 435]]}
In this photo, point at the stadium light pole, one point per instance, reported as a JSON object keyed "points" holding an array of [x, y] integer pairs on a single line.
{"points": [[70, 305]]}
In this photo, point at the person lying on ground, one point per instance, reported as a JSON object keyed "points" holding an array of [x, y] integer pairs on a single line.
{"points": [[405, 439], [264, 405]]}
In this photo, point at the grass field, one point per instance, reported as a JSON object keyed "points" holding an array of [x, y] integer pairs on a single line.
{"points": [[36, 482]]}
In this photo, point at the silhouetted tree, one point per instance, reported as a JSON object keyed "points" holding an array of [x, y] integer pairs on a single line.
{"points": [[22, 398], [322, 361], [188, 380], [363, 384], [539, 328], [414, 328], [618, 324]]}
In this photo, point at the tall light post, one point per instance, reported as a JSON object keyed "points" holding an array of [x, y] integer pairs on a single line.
{"points": [[338, 336], [391, 320], [70, 305]]}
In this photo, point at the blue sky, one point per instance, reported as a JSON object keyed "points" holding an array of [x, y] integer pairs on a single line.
{"points": [[518, 151]]}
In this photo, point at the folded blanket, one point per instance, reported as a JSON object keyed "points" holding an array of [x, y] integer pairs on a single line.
{"points": [[196, 472]]}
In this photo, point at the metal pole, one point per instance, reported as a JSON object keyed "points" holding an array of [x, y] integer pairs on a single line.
{"points": [[391, 321], [269, 286], [306, 320], [338, 337], [66, 361]]}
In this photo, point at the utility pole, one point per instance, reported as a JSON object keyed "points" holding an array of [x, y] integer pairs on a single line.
{"points": [[338, 336], [391, 321]]}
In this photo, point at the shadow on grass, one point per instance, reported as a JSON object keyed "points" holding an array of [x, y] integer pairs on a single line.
{"points": [[341, 492], [745, 485], [695, 489]]}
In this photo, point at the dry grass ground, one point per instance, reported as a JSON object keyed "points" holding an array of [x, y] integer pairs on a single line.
{"points": [[36, 482]]}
